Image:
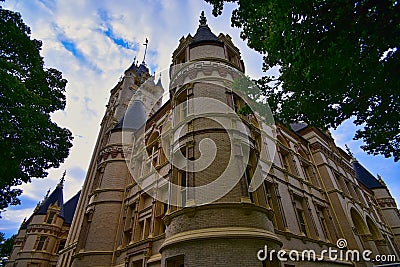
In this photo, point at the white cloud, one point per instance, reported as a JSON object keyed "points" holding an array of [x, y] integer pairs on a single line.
{"points": [[11, 221]]}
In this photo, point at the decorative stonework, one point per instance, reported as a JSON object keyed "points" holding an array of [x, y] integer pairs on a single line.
{"points": [[330, 154], [111, 152], [387, 202]]}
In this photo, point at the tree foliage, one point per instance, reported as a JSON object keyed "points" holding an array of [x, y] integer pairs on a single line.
{"points": [[336, 59], [30, 143], [6, 246]]}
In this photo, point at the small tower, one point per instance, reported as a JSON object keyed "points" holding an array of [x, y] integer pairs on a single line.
{"points": [[43, 235], [100, 205], [388, 207], [233, 226]]}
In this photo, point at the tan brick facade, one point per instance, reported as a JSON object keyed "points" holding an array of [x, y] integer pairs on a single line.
{"points": [[312, 195]]}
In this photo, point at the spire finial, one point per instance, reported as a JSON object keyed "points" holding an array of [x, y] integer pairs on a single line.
{"points": [[203, 19], [145, 50], [380, 180], [61, 183], [47, 194]]}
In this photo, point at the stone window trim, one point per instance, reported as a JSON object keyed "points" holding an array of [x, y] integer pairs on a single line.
{"points": [[41, 242], [304, 216], [51, 217], [274, 198]]}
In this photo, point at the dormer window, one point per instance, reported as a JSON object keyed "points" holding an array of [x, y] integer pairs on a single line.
{"points": [[50, 217], [231, 57], [181, 58]]}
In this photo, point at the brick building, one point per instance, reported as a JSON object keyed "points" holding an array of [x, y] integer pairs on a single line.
{"points": [[43, 235], [147, 200]]}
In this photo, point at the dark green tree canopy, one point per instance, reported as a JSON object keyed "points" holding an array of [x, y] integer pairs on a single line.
{"points": [[6, 246], [337, 60], [30, 143]]}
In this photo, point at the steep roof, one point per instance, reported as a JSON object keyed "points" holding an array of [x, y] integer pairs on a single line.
{"points": [[365, 177], [204, 33], [134, 118], [70, 207], [298, 126], [55, 197], [139, 69]]}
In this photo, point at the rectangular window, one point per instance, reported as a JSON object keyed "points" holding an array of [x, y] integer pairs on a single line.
{"points": [[249, 175], [146, 230], [138, 263], [274, 203], [350, 188], [41, 243], [129, 223], [302, 221], [50, 217], [321, 211], [359, 196], [139, 231], [163, 158], [288, 162], [177, 261], [182, 181], [285, 161], [181, 112], [301, 216], [61, 245], [341, 184], [309, 173]]}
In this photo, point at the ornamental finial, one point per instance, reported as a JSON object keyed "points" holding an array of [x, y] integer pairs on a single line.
{"points": [[380, 180], [61, 183], [203, 19], [47, 194]]}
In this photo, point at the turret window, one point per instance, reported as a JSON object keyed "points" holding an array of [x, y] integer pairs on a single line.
{"points": [[50, 218], [176, 261], [61, 245], [41, 243], [182, 183]]}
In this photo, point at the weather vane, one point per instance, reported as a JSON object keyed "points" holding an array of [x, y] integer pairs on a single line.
{"points": [[145, 50]]}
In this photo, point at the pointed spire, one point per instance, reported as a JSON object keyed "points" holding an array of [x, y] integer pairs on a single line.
{"points": [[159, 81], [23, 223], [61, 183], [203, 19], [204, 33], [47, 194]]}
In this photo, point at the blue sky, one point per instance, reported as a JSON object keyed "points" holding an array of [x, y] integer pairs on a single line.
{"points": [[93, 42]]}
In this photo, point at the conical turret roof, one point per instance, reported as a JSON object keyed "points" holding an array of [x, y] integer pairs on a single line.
{"points": [[56, 197], [134, 118], [204, 33]]}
